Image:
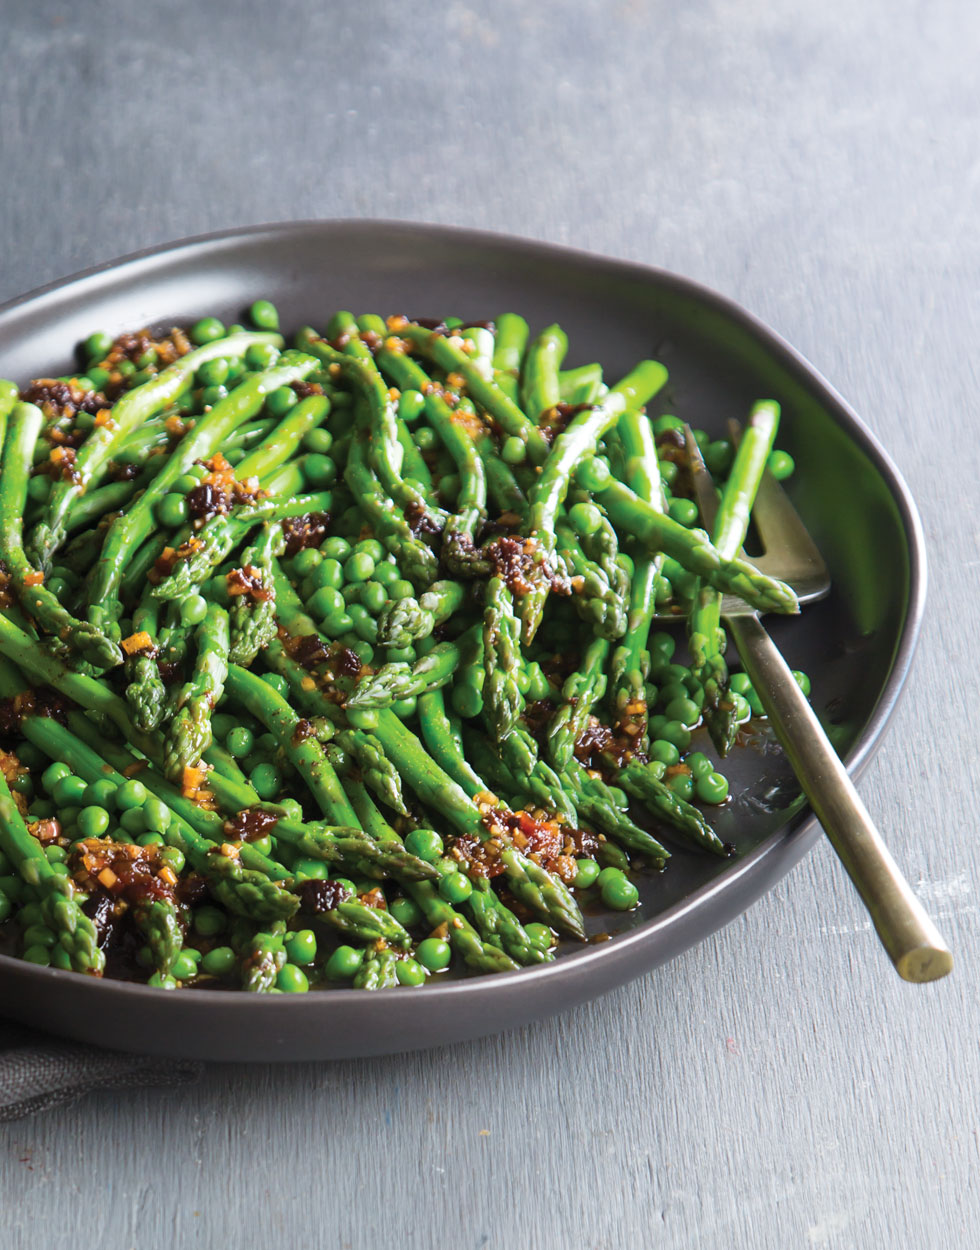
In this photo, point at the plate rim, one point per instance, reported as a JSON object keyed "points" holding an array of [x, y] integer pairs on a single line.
{"points": [[791, 845]]}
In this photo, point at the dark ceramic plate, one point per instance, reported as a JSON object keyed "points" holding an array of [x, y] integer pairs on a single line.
{"points": [[856, 645]]}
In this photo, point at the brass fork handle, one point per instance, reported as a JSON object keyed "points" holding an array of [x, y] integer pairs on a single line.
{"points": [[911, 939]]}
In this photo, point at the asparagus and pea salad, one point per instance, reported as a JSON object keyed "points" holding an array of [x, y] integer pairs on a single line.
{"points": [[338, 662]]}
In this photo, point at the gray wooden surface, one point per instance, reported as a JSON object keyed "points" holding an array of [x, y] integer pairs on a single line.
{"points": [[777, 1086]]}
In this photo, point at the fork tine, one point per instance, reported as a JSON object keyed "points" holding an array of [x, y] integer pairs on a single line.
{"points": [[784, 536], [704, 487]]}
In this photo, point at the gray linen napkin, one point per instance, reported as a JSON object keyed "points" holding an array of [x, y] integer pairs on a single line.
{"points": [[39, 1072]]}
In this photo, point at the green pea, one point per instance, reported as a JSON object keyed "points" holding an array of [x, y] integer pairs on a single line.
{"points": [[100, 795], [209, 920], [132, 821], [319, 471], [183, 486], [326, 602], [222, 723], [781, 465], [206, 330], [38, 489], [311, 869], [740, 683], [371, 547], [318, 440], [434, 954], [405, 708], [374, 597], [125, 368], [425, 438], [359, 566], [663, 592], [455, 887], [213, 372], [676, 732], [662, 424], [156, 815], [301, 947], [699, 764], [424, 844], [150, 839], [409, 972], [306, 561], [364, 623], [239, 742], [755, 703], [712, 788], [292, 980], [335, 548], [261, 356], [98, 378], [467, 698], [406, 911], [162, 981], [668, 474], [337, 625], [69, 791], [386, 573], [212, 395], [38, 955], [264, 315], [279, 684], [184, 966], [682, 784], [279, 401], [683, 511], [586, 873], [219, 961], [174, 857], [29, 755], [193, 609], [684, 710], [718, 456], [802, 681], [672, 690], [131, 794], [411, 405], [265, 781], [585, 518], [513, 450], [400, 588], [53, 774], [742, 710], [343, 963], [593, 473], [97, 346], [616, 890]]}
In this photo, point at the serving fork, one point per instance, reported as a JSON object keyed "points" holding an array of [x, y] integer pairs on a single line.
{"points": [[909, 936]]}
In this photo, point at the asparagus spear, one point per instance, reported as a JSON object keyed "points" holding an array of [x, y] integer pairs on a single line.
{"points": [[706, 637], [19, 433], [692, 548], [575, 442], [397, 680], [643, 782], [510, 340], [503, 701], [136, 524], [404, 621], [76, 933], [127, 415], [189, 732]]}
